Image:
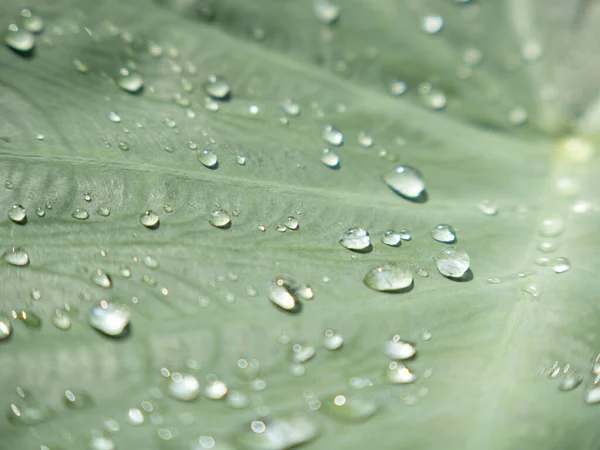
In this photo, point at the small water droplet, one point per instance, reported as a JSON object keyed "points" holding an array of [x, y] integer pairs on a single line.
{"points": [[422, 273], [330, 158], [433, 24], [291, 223], [114, 117], [333, 136], [254, 110], [303, 353], [77, 401], [290, 108], [80, 214], [217, 87], [103, 211], [211, 105], [364, 140], [276, 434], [19, 38], [444, 233], [61, 320], [28, 410], [80, 66], [251, 291], [109, 318], [129, 81], [17, 214], [208, 159], [279, 294], [355, 239], [569, 381], [488, 208], [135, 416], [561, 265], [345, 408], [151, 262], [101, 278], [494, 280], [406, 181], [102, 443], [215, 390], [332, 340], [388, 277], [326, 12], [552, 226], [517, 116], [392, 238], [398, 88], [547, 246], [149, 219], [531, 287], [184, 387], [124, 146], [220, 219], [396, 348], [398, 373], [125, 271], [592, 396], [5, 327], [16, 256], [39, 136], [31, 22], [452, 262]]}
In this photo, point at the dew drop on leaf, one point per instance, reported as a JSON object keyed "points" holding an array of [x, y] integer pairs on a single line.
{"points": [[279, 295], [277, 434], [355, 239], [433, 24], [217, 87], [398, 373], [326, 12], [103, 211], [114, 117], [77, 400], [406, 181], [552, 226], [561, 265], [398, 88], [28, 410], [129, 81], [302, 353], [125, 271], [290, 108], [17, 214], [391, 238], [333, 136], [332, 340], [135, 416], [215, 390], [123, 145], [184, 387], [80, 214], [19, 38], [16, 256], [220, 219], [101, 278], [330, 158], [61, 320], [396, 348], [488, 208], [291, 223], [109, 318], [444, 233], [364, 140], [149, 219], [102, 443], [388, 277], [345, 408], [569, 381], [31, 22], [5, 327], [452, 262], [208, 159], [151, 262]]}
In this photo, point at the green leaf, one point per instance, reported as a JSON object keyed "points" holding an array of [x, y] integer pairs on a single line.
{"points": [[485, 344]]}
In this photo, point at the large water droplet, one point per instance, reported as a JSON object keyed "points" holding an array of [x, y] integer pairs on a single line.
{"points": [[345, 408], [5, 327], [552, 226], [291, 223], [398, 373], [333, 136], [130, 81], [561, 265], [396, 348], [355, 239], [330, 158], [217, 87], [326, 12], [452, 262], [220, 219], [279, 294], [277, 434], [109, 318], [149, 219], [19, 39], [444, 233], [17, 214], [388, 277], [80, 214], [16, 256], [208, 159], [184, 387], [101, 278], [406, 181]]}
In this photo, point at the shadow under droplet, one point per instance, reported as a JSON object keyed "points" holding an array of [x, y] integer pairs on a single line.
{"points": [[215, 166], [22, 222], [225, 227], [153, 227], [29, 54], [295, 310], [367, 249], [467, 276]]}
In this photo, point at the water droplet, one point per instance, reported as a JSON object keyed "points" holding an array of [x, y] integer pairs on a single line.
{"points": [[217, 87], [569, 381], [103, 211], [109, 318], [151, 262], [290, 108], [488, 208], [80, 66], [391, 238], [77, 401], [552, 226], [27, 410], [135, 416], [114, 117], [333, 136], [406, 181], [5, 327], [355, 239], [208, 159], [101, 278], [330, 158], [80, 214], [211, 105], [326, 12], [17, 214], [277, 434], [444, 233], [332, 340], [170, 123], [251, 291], [517, 116], [125, 271], [291, 223], [16, 256], [254, 110], [215, 390], [124, 146], [102, 443], [184, 387], [388, 277], [561, 265], [364, 140], [547, 246], [349, 409], [398, 88], [452, 262], [304, 291], [398, 373], [279, 293], [220, 219], [592, 395], [130, 81], [303, 353], [19, 39], [61, 320], [531, 287], [433, 24], [396, 348], [149, 219], [32, 22], [40, 212]]}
